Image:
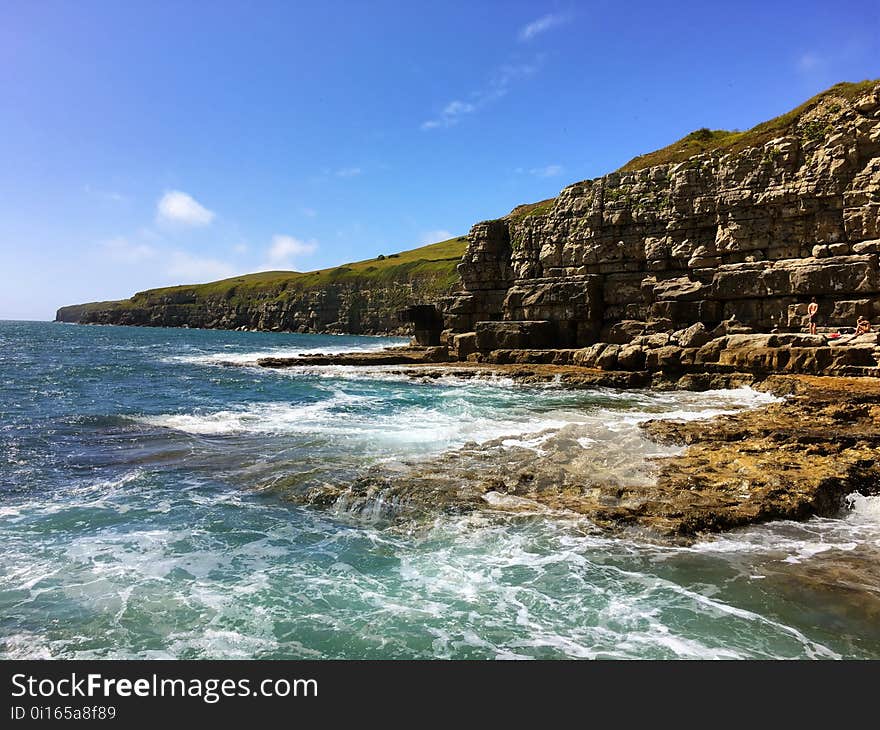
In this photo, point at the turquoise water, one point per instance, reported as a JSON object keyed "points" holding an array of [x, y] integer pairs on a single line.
{"points": [[145, 477]]}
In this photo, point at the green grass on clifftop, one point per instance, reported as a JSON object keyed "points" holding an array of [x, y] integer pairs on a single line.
{"points": [[530, 209], [722, 140], [433, 266]]}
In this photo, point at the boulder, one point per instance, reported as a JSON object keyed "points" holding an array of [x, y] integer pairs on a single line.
{"points": [[464, 344], [649, 342], [607, 359], [664, 358], [731, 327], [631, 357], [867, 246], [588, 357], [711, 351], [622, 333], [514, 335], [694, 336]]}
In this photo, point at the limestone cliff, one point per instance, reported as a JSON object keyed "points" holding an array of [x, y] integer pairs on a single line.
{"points": [[750, 228], [360, 298], [722, 233]]}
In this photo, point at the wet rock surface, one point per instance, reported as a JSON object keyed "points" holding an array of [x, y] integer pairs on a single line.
{"points": [[669, 480], [791, 460], [393, 356]]}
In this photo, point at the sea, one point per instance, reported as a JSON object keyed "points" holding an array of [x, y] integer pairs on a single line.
{"points": [[148, 482]]}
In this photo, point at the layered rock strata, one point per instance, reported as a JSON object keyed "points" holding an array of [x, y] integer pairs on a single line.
{"points": [[344, 308], [745, 238]]}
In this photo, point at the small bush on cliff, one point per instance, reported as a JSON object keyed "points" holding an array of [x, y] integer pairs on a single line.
{"points": [[815, 130], [702, 135]]}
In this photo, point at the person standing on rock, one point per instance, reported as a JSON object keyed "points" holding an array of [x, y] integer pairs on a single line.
{"points": [[812, 311]]}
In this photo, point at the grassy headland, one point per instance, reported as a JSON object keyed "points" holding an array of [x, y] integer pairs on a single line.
{"points": [[433, 266]]}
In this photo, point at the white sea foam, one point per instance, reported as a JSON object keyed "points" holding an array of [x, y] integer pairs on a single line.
{"points": [[474, 586], [800, 542], [449, 415], [251, 357], [334, 418], [167, 558], [393, 374], [864, 510]]}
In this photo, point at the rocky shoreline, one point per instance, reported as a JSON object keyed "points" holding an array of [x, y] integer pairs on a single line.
{"points": [[796, 458], [748, 261], [790, 460]]}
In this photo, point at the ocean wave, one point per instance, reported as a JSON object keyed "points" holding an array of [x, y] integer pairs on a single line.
{"points": [[447, 416], [795, 542], [396, 374], [251, 357]]}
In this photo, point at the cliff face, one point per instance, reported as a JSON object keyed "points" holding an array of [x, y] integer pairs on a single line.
{"points": [[349, 308], [362, 298], [749, 232], [742, 228]]}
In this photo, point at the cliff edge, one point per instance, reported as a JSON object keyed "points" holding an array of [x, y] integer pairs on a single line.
{"points": [[358, 298], [720, 234]]}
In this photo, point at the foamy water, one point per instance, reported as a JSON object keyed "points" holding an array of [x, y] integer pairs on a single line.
{"points": [[233, 355], [137, 518]]}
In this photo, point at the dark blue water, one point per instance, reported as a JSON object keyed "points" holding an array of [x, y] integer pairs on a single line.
{"points": [[146, 482]]}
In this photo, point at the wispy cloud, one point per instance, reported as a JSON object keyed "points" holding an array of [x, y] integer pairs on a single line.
{"points": [[177, 207], [110, 195], [498, 85], [284, 249], [179, 265], [809, 62], [547, 171], [309, 212], [542, 25], [429, 237], [451, 114], [185, 267], [128, 252], [349, 172]]}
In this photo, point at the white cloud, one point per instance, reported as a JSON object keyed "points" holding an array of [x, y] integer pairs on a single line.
{"points": [[189, 269], [121, 249], [809, 62], [180, 208], [497, 86], [110, 195], [548, 171], [149, 234], [542, 25], [434, 237], [284, 249], [451, 114], [507, 73], [240, 248], [458, 107], [349, 172], [309, 212]]}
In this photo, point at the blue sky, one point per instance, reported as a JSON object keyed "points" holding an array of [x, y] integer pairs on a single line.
{"points": [[152, 143]]}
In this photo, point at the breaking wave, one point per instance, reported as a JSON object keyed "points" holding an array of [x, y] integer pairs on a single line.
{"points": [[131, 529]]}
